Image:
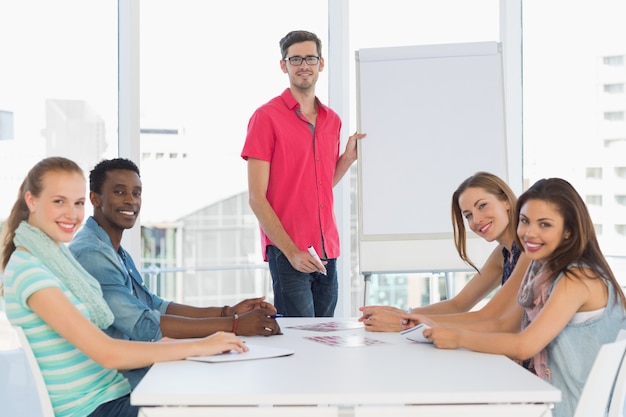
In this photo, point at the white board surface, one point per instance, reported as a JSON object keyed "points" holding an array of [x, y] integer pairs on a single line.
{"points": [[434, 115]]}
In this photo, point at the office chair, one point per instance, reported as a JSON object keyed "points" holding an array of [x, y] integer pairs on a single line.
{"points": [[41, 393], [617, 407], [596, 395]]}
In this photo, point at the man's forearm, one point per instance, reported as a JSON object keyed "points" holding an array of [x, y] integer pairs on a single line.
{"points": [[343, 165], [194, 312], [184, 327], [273, 228]]}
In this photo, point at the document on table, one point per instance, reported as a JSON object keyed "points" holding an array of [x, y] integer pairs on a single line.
{"points": [[255, 352], [329, 326], [354, 340]]}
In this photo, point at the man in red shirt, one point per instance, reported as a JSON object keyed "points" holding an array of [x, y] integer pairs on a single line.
{"points": [[293, 153]]}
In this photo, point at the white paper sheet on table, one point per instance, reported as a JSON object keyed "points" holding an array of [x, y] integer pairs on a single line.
{"points": [[255, 352]]}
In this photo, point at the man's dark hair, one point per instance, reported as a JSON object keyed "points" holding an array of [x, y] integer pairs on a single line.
{"points": [[298, 36], [98, 174]]}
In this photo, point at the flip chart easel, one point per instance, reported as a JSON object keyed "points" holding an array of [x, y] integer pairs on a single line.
{"points": [[434, 115]]}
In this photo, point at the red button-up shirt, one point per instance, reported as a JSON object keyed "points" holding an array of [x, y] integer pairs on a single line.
{"points": [[302, 161]]}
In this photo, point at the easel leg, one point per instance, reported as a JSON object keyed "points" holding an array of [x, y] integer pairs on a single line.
{"points": [[367, 279]]}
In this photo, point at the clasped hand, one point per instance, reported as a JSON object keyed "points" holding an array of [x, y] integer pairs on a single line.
{"points": [[258, 322], [251, 304], [254, 317]]}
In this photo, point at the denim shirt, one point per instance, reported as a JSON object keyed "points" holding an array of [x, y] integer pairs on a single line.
{"points": [[137, 311]]}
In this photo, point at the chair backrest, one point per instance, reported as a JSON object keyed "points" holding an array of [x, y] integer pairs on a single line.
{"points": [[596, 395], [40, 385], [617, 408]]}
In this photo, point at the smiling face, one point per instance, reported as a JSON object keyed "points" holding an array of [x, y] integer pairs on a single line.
{"points": [[486, 215], [540, 229], [304, 76], [117, 207], [60, 208]]}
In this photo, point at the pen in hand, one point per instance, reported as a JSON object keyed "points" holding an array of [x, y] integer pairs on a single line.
{"points": [[314, 254], [274, 316], [409, 310]]}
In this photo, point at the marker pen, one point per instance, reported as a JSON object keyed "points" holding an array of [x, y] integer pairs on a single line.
{"points": [[314, 254]]}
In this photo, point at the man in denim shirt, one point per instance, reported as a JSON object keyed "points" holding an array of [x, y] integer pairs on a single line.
{"points": [[115, 192]]}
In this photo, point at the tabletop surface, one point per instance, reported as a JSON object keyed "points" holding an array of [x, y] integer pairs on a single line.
{"points": [[387, 369]]}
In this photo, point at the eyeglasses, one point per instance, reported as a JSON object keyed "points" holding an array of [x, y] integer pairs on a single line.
{"points": [[297, 60]]}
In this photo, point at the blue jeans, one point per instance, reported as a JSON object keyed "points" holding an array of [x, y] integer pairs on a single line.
{"points": [[300, 294], [116, 408]]}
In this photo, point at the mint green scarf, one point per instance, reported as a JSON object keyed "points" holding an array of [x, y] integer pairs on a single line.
{"points": [[60, 261]]}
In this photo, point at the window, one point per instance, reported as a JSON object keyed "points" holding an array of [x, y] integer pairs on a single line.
{"points": [[594, 173], [6, 125], [614, 88], [185, 90], [188, 91], [611, 143], [58, 86], [614, 61], [594, 200], [620, 199], [598, 228], [620, 229], [193, 118], [614, 116]]}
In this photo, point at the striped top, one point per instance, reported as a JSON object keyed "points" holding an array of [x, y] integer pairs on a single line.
{"points": [[76, 384]]}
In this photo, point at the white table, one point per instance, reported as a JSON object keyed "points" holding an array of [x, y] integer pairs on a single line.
{"points": [[409, 378]]}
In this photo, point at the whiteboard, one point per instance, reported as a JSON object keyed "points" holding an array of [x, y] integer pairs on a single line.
{"points": [[434, 115]]}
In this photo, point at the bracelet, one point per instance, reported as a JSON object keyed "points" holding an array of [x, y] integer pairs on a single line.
{"points": [[235, 322], [224, 311]]}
